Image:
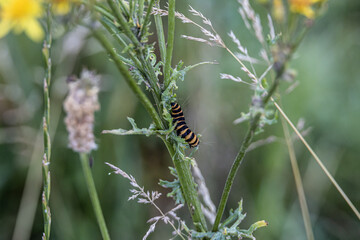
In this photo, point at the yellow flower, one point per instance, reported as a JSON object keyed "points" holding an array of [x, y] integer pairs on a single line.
{"points": [[303, 7], [62, 7], [278, 10], [21, 16]]}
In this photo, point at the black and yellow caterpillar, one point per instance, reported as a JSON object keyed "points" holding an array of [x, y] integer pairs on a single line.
{"points": [[182, 130]]}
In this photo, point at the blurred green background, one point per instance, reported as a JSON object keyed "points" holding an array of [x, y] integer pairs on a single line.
{"points": [[328, 98]]}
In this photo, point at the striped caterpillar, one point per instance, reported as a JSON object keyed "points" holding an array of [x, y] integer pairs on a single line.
{"points": [[182, 130]]}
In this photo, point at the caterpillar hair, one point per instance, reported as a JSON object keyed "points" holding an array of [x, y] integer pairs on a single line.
{"points": [[182, 130]]}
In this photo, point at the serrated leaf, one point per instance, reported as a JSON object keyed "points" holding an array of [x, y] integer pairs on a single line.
{"points": [[151, 130], [176, 192]]}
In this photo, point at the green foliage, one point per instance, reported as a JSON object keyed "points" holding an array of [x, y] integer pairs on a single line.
{"points": [[229, 229], [151, 130], [176, 192]]}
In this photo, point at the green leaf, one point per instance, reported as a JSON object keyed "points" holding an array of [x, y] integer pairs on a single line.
{"points": [[176, 192], [229, 229], [151, 130]]}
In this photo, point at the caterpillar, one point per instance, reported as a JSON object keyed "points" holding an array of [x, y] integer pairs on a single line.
{"points": [[182, 130]]}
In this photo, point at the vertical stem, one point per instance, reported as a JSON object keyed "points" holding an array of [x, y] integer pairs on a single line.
{"points": [[184, 173], [141, 11], [244, 146], [132, 9], [93, 196], [170, 42], [182, 167], [160, 34], [147, 17], [298, 182], [46, 123], [188, 188]]}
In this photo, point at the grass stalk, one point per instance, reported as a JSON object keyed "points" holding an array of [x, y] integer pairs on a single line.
{"points": [[317, 159], [298, 182], [170, 42], [93, 195], [46, 123]]}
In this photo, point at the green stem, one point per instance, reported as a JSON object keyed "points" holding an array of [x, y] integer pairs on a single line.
{"points": [[125, 8], [240, 156], [139, 47], [46, 124], [147, 17], [160, 34], [170, 42], [182, 167], [132, 8], [184, 173], [93, 195], [188, 188], [140, 11], [124, 25], [129, 79], [111, 29]]}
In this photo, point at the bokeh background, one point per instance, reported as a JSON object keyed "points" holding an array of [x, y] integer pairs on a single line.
{"points": [[327, 98]]}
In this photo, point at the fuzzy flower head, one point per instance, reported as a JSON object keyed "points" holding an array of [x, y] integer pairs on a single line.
{"points": [[304, 7], [80, 106], [21, 16]]}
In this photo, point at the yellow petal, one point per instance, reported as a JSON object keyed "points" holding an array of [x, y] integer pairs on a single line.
{"points": [[34, 30], [62, 7], [308, 12], [5, 27]]}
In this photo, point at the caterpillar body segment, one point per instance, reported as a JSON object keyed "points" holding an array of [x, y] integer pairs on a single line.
{"points": [[182, 130]]}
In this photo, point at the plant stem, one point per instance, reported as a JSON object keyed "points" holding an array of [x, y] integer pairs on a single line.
{"points": [[188, 187], [298, 182], [147, 17], [46, 124], [184, 173], [129, 79], [122, 21], [160, 34], [93, 195], [182, 167], [138, 46], [140, 11], [170, 42], [240, 156]]}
